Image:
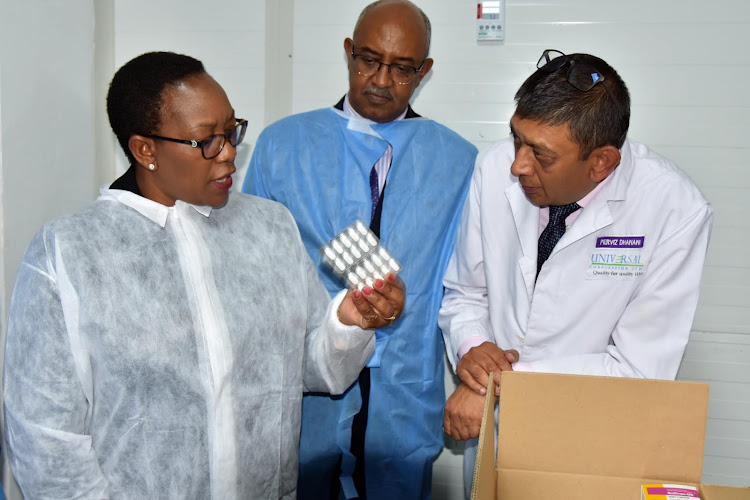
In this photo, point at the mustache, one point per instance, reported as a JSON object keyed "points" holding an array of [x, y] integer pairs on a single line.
{"points": [[378, 91]]}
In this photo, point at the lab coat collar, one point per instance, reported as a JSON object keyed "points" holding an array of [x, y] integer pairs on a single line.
{"points": [[148, 208], [597, 214]]}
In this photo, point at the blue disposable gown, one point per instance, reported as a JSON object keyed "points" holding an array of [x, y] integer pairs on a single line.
{"points": [[158, 352], [318, 165]]}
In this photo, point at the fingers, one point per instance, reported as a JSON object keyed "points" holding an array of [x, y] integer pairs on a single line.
{"points": [[511, 355], [368, 318], [386, 298], [374, 307], [453, 424], [463, 414], [475, 366], [473, 376], [495, 357]]}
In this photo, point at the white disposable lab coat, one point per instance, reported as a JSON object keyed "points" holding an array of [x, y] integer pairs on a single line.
{"points": [[158, 352], [618, 294]]}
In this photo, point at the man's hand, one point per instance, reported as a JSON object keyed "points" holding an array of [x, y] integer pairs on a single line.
{"points": [[462, 419], [475, 366], [374, 307]]}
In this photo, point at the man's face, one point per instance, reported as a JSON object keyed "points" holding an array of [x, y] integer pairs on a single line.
{"points": [[392, 34], [548, 163]]}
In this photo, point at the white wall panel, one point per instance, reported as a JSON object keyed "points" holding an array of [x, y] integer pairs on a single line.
{"points": [[727, 428], [723, 360], [48, 166], [227, 36]]}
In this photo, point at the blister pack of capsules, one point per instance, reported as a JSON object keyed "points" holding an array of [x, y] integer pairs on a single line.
{"points": [[357, 257]]}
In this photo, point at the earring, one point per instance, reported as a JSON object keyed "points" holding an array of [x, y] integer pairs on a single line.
{"points": [[151, 167]]}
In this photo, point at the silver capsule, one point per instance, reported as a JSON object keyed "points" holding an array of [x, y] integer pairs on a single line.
{"points": [[360, 272], [330, 253], [346, 241], [376, 260], [394, 265], [372, 240], [348, 258], [363, 246], [337, 246], [361, 227], [355, 251], [340, 265], [384, 269], [384, 253], [369, 281]]}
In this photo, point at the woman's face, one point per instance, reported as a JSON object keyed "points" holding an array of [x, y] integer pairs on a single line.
{"points": [[195, 109]]}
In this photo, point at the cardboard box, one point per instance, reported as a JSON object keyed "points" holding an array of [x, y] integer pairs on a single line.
{"points": [[570, 437]]}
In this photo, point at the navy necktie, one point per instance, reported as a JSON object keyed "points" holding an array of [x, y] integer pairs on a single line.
{"points": [[553, 232], [374, 190]]}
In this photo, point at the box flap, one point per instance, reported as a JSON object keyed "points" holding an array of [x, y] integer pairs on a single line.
{"points": [[483, 485], [604, 426]]}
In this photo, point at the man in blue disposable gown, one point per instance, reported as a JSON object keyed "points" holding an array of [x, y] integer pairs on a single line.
{"points": [[372, 157]]}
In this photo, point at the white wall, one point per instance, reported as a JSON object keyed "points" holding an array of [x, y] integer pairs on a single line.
{"points": [[46, 115]]}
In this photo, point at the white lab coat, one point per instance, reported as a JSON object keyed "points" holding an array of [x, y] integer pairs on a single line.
{"points": [[158, 352], [573, 320]]}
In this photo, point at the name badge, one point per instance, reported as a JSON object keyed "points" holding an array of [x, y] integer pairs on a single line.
{"points": [[617, 257]]}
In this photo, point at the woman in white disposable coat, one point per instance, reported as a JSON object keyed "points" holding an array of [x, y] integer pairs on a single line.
{"points": [[159, 341]]}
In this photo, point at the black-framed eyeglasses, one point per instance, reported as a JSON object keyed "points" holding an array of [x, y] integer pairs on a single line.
{"points": [[214, 145], [580, 75], [402, 74]]}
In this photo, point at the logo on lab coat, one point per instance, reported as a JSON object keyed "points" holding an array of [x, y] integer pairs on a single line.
{"points": [[617, 257]]}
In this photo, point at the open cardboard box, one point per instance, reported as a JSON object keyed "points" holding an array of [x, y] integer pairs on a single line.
{"points": [[571, 437]]}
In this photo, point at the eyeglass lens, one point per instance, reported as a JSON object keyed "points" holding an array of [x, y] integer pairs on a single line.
{"points": [[551, 60], [215, 144], [583, 77], [367, 66]]}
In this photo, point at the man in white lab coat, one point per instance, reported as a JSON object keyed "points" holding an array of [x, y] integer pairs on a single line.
{"points": [[578, 251]]}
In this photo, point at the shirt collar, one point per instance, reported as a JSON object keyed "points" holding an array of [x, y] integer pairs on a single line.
{"points": [[349, 110], [148, 208]]}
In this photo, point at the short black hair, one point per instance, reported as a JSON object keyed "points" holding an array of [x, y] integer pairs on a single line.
{"points": [[136, 93], [594, 119]]}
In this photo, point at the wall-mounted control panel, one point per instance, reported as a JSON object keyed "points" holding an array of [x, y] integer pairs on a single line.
{"points": [[491, 20]]}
